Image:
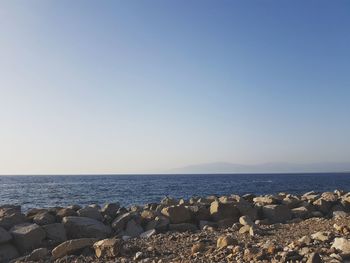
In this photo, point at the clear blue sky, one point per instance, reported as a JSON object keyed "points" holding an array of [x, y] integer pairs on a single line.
{"points": [[144, 86]]}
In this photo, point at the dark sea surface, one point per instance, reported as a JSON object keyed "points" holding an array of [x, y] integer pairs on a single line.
{"points": [[49, 191]]}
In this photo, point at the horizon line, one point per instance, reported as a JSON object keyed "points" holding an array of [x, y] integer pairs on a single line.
{"points": [[145, 174]]}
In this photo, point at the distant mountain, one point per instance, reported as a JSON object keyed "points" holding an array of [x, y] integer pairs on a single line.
{"points": [[225, 167]]}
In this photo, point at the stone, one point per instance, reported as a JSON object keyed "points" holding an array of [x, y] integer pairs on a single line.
{"points": [[300, 212], [246, 209], [120, 222], [44, 218], [90, 212], [133, 229], [84, 227], [245, 220], [55, 232], [244, 229], [10, 217], [160, 223], [148, 215], [183, 227], [198, 247], [343, 245], [277, 213], [72, 246], [221, 211], [64, 212], [27, 236], [265, 200], [74, 207], [224, 241], [168, 201], [314, 258], [177, 214], [148, 234], [4, 236], [322, 236], [111, 247], [200, 212], [322, 205], [110, 209], [38, 254], [8, 252]]}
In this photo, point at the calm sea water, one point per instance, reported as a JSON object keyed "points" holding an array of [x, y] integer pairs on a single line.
{"points": [[48, 191]]}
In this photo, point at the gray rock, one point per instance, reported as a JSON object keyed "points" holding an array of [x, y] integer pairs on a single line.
{"points": [[10, 217], [220, 211], [72, 246], [160, 223], [4, 236], [55, 232], [38, 254], [277, 213], [133, 229], [64, 212], [177, 214], [110, 209], [90, 212], [8, 252], [120, 222], [44, 218], [84, 227], [27, 236]]}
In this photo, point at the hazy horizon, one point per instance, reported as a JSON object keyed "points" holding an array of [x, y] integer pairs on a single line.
{"points": [[140, 87]]}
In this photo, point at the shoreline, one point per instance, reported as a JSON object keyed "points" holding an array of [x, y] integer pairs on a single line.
{"points": [[202, 229]]}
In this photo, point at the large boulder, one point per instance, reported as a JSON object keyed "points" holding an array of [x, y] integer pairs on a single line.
{"points": [[111, 247], [110, 209], [4, 236], [55, 232], [160, 223], [323, 205], [200, 212], [246, 209], [44, 218], [80, 227], [27, 236], [277, 213], [220, 211], [8, 252], [120, 222], [265, 200], [64, 212], [90, 212], [177, 214], [72, 246], [11, 216], [133, 229]]}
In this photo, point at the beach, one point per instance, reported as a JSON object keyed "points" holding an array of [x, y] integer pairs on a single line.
{"points": [[310, 227]]}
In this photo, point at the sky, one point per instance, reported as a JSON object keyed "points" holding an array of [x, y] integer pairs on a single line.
{"points": [[147, 86]]}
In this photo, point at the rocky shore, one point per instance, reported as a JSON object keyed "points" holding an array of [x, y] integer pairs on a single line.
{"points": [[313, 227]]}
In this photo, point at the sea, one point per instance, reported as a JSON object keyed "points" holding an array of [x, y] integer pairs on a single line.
{"points": [[50, 191]]}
